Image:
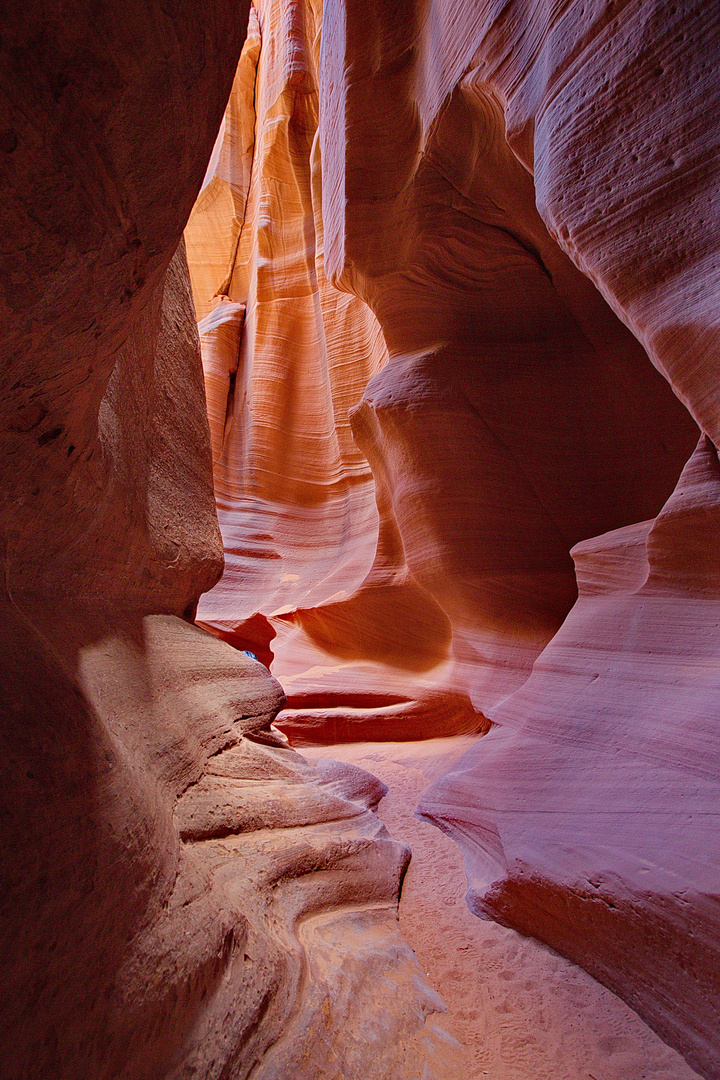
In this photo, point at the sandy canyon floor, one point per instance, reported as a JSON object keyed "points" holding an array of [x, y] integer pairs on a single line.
{"points": [[520, 1011]]}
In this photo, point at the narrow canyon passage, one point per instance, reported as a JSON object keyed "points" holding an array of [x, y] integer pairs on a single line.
{"points": [[360, 594], [458, 496]]}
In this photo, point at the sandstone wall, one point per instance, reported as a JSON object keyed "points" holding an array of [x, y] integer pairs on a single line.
{"points": [[587, 813], [315, 578], [285, 354], [181, 894], [523, 197], [517, 415]]}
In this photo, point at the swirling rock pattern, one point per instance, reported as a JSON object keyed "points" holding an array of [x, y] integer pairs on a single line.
{"points": [[588, 817], [182, 895], [588, 813], [523, 196], [461, 578], [517, 415], [309, 536], [200, 900], [285, 355]]}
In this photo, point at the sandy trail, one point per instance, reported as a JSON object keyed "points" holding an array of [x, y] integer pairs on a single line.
{"points": [[521, 1011]]}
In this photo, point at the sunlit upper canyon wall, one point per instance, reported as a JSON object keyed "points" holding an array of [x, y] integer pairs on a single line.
{"points": [[456, 268]]}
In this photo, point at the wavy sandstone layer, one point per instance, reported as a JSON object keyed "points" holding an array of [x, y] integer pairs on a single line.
{"points": [[517, 415], [182, 894], [309, 538], [483, 483], [285, 355], [523, 198], [588, 817], [587, 814]]}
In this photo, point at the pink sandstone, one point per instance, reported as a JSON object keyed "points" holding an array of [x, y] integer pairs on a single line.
{"points": [[523, 199], [182, 894], [456, 268]]}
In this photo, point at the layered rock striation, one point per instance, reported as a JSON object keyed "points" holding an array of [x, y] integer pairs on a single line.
{"points": [[315, 576], [182, 894], [517, 415], [588, 817], [587, 814], [285, 354], [524, 200]]}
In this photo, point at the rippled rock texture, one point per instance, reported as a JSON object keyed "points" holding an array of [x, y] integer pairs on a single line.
{"points": [[182, 894], [315, 574], [523, 198]]}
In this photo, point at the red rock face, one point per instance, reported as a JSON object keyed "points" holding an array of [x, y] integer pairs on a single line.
{"points": [[587, 816], [436, 253], [517, 415], [523, 198], [611, 732], [506, 365], [285, 354], [182, 894], [286, 357]]}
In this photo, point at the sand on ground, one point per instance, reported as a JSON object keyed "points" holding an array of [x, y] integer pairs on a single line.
{"points": [[521, 1011]]}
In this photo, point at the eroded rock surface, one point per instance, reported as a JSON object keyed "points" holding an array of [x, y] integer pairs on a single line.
{"points": [[309, 534], [285, 355], [516, 417], [588, 813], [524, 198], [182, 894], [588, 817]]}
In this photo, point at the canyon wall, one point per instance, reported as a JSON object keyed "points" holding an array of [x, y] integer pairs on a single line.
{"points": [[456, 265], [415, 604], [587, 813], [315, 580], [182, 894], [523, 199], [285, 354]]}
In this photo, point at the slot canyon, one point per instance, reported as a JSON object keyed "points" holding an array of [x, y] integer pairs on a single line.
{"points": [[360, 623]]}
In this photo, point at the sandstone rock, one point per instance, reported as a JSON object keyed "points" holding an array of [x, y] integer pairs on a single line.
{"points": [[516, 413], [285, 355], [181, 893], [587, 815], [585, 812], [429, 217], [192, 893], [523, 197]]}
